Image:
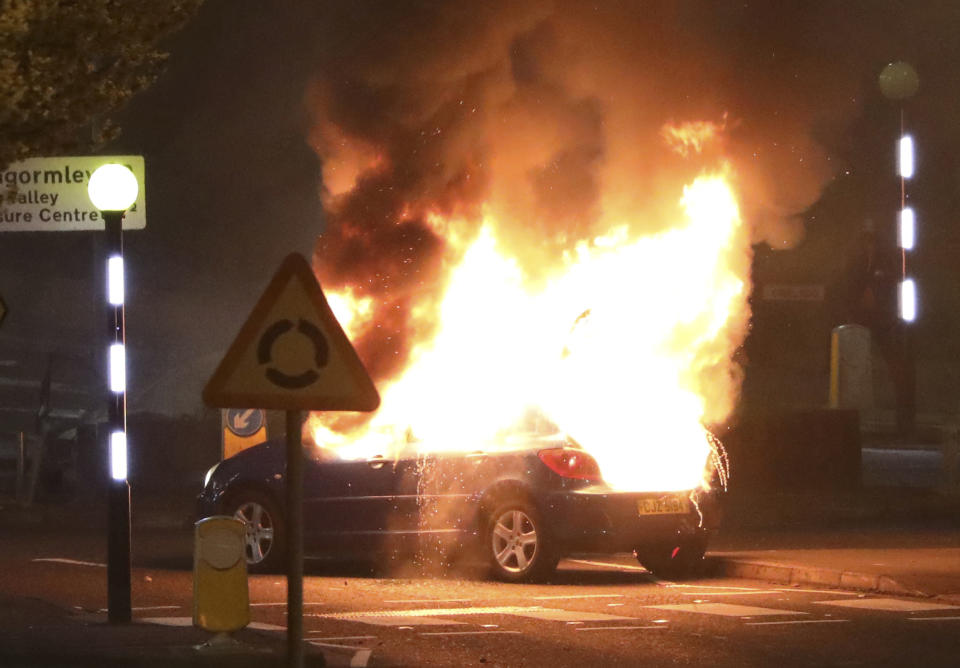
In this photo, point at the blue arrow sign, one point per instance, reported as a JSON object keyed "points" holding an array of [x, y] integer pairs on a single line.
{"points": [[245, 421]]}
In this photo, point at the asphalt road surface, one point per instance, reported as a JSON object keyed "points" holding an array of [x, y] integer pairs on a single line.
{"points": [[599, 611]]}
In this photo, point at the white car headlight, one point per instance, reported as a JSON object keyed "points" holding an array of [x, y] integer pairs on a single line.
{"points": [[206, 478]]}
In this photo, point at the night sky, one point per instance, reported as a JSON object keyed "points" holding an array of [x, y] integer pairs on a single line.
{"points": [[544, 102]]}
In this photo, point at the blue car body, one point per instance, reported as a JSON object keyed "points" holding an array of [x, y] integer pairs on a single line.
{"points": [[376, 506]]}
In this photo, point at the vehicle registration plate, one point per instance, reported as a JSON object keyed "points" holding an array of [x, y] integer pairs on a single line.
{"points": [[664, 505]]}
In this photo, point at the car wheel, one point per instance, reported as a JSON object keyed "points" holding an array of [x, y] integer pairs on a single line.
{"points": [[677, 560], [517, 544], [264, 539]]}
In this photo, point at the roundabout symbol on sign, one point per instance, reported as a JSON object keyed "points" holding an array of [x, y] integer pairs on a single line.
{"points": [[307, 377]]}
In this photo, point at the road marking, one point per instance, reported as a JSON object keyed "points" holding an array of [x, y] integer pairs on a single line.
{"points": [[728, 593], [147, 607], [387, 620], [166, 621], [358, 659], [572, 596], [261, 626], [432, 600], [469, 633], [726, 609], [72, 562], [154, 607], [341, 638], [569, 616], [282, 603], [703, 586], [798, 621], [188, 621], [361, 658], [932, 619], [426, 612], [890, 604], [603, 564], [435, 615], [617, 628], [821, 591]]}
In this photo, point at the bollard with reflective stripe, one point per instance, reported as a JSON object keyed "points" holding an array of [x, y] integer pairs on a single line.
{"points": [[221, 599]]}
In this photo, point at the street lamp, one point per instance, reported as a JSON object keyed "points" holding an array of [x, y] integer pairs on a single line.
{"points": [[113, 189]]}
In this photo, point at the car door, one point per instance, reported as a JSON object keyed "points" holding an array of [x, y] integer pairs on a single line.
{"points": [[347, 504], [435, 494]]}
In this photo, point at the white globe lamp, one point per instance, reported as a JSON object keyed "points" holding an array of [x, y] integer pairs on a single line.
{"points": [[113, 187]]}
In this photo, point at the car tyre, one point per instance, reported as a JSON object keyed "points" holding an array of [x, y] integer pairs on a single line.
{"points": [[517, 544], [677, 560], [265, 536]]}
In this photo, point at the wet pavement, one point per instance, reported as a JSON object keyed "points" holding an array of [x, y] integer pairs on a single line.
{"points": [[897, 536]]}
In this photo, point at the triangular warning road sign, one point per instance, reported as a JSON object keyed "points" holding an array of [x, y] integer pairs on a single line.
{"points": [[291, 353]]}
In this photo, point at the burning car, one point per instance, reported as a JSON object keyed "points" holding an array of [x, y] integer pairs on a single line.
{"points": [[521, 507]]}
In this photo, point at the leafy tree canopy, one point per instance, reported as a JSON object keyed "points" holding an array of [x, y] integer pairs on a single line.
{"points": [[65, 65]]}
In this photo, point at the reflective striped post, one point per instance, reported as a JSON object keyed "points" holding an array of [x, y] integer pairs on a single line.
{"points": [[899, 81], [113, 189]]}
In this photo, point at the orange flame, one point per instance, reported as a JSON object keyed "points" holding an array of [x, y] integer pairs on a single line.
{"points": [[625, 348], [352, 312], [692, 136]]}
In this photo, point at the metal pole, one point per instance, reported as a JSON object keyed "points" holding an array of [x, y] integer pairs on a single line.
{"points": [[118, 516], [907, 382], [294, 540]]}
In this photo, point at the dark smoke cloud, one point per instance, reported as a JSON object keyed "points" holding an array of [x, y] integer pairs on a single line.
{"points": [[548, 116]]}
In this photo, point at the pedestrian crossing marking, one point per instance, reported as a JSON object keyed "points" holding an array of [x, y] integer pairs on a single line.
{"points": [[427, 616], [729, 593], [798, 621], [726, 609], [471, 633], [619, 628], [553, 615], [167, 621], [263, 626], [389, 620], [575, 596], [425, 612], [890, 604]]}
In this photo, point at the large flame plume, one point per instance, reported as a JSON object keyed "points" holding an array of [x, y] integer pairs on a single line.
{"points": [[535, 219], [625, 346]]}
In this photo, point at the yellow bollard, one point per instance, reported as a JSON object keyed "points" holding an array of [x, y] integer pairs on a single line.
{"points": [[221, 598]]}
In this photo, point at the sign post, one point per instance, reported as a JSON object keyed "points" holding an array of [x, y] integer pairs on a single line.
{"points": [[291, 354], [294, 540]]}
